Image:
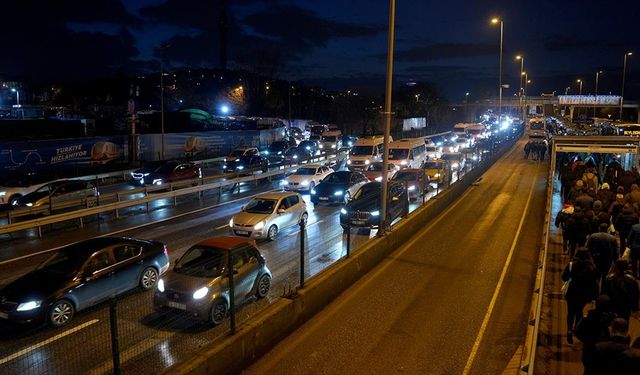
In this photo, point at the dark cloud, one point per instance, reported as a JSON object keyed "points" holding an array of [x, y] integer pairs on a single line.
{"points": [[43, 46], [448, 50], [564, 43]]}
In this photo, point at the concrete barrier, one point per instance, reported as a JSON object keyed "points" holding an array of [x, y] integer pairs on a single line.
{"points": [[257, 336]]}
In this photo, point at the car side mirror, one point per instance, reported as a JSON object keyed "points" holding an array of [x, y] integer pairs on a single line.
{"points": [[281, 210]]}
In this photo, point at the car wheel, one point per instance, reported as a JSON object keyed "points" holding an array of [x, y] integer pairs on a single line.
{"points": [[264, 284], [13, 199], [219, 312], [347, 197], [304, 218], [149, 278], [272, 233], [61, 313]]}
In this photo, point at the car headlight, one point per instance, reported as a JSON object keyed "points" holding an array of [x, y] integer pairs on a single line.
{"points": [[474, 157], [157, 181], [436, 175], [28, 306], [29, 204], [379, 178], [313, 191], [231, 223], [201, 293], [295, 156], [404, 162], [240, 167], [308, 148], [348, 162], [321, 146], [305, 183], [333, 146], [338, 193], [266, 152], [412, 188], [284, 182], [259, 226], [224, 167], [375, 213], [455, 165], [145, 174], [3, 193], [343, 211], [367, 162], [161, 286], [279, 152]]}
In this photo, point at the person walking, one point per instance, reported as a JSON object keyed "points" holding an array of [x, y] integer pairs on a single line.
{"points": [[578, 228], [603, 250], [605, 195], [583, 288], [608, 355], [623, 224], [633, 197], [633, 242], [561, 222], [527, 150], [592, 329], [622, 289]]}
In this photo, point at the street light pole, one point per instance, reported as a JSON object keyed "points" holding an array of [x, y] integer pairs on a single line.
{"points": [[521, 58], [580, 89], [596, 92], [624, 73], [387, 114], [162, 48], [495, 21]]}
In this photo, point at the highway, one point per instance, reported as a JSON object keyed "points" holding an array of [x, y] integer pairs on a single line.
{"points": [[454, 300], [150, 341]]}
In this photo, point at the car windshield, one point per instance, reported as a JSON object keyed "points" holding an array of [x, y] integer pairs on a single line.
{"points": [[405, 176], [62, 263], [366, 191], [306, 171], [200, 261], [450, 156], [337, 178], [329, 138], [398, 153], [431, 165], [361, 150], [261, 206], [236, 153], [277, 146], [375, 167]]}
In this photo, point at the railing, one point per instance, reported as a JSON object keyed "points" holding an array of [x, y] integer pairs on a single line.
{"points": [[198, 185]]}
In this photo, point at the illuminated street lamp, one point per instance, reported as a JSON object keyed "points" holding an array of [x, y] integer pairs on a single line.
{"points": [[521, 58], [624, 73], [596, 91], [496, 21], [580, 90], [17, 96]]}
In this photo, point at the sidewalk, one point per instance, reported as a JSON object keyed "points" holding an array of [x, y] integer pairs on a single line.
{"points": [[556, 356]]}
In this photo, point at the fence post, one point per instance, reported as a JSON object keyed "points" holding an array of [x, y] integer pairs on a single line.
{"points": [[175, 197], [146, 195], [117, 200], [115, 346], [348, 230], [302, 228], [232, 299], [81, 223]]}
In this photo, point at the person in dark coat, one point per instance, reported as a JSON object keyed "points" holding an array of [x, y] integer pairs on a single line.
{"points": [[631, 358], [622, 289], [578, 228], [567, 179], [592, 329], [600, 216], [627, 180], [583, 288], [623, 224], [616, 208], [562, 219], [603, 249], [527, 150], [606, 196], [584, 201], [609, 358], [633, 242], [576, 191]]}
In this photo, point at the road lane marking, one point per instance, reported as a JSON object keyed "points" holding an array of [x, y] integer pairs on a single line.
{"points": [[503, 275], [31, 348], [222, 226], [159, 221]]}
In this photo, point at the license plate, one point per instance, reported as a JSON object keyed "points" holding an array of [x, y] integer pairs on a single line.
{"points": [[324, 198], [242, 232], [176, 305], [4, 315], [358, 222]]}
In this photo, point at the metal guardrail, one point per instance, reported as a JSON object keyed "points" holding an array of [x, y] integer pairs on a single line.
{"points": [[146, 199], [527, 360]]}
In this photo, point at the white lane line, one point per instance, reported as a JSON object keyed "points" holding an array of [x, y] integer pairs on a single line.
{"points": [[308, 225], [31, 348], [222, 226], [138, 226], [503, 275]]}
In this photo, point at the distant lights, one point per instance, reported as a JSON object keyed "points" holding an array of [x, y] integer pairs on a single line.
{"points": [[224, 109]]}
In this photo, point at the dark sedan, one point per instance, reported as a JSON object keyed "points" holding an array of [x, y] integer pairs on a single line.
{"points": [[244, 163], [295, 155], [364, 209], [166, 172], [277, 148], [415, 180], [80, 276], [311, 146], [338, 187]]}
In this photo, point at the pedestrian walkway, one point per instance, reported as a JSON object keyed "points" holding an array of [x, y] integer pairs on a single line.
{"points": [[556, 356]]}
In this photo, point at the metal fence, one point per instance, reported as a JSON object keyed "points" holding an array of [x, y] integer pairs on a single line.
{"points": [[127, 335]]}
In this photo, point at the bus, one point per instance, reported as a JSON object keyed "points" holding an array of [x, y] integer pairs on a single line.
{"points": [[407, 153]]}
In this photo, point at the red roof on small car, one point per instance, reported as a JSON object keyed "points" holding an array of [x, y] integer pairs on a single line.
{"points": [[226, 242]]}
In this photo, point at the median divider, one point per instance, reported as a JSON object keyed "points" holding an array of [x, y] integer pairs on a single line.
{"points": [[257, 336]]}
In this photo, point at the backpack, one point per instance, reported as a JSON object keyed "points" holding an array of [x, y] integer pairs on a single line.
{"points": [[591, 181]]}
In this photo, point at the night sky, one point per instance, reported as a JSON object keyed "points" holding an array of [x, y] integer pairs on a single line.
{"points": [[333, 43]]}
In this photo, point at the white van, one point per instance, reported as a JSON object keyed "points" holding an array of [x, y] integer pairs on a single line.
{"points": [[331, 140], [366, 151], [407, 153]]}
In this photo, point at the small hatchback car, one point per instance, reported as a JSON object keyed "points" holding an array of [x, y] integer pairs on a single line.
{"points": [[267, 214], [199, 282]]}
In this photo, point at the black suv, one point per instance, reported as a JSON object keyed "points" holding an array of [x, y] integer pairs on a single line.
{"points": [[363, 210]]}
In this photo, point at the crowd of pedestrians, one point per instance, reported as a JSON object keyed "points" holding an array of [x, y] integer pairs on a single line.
{"points": [[537, 150], [600, 227]]}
